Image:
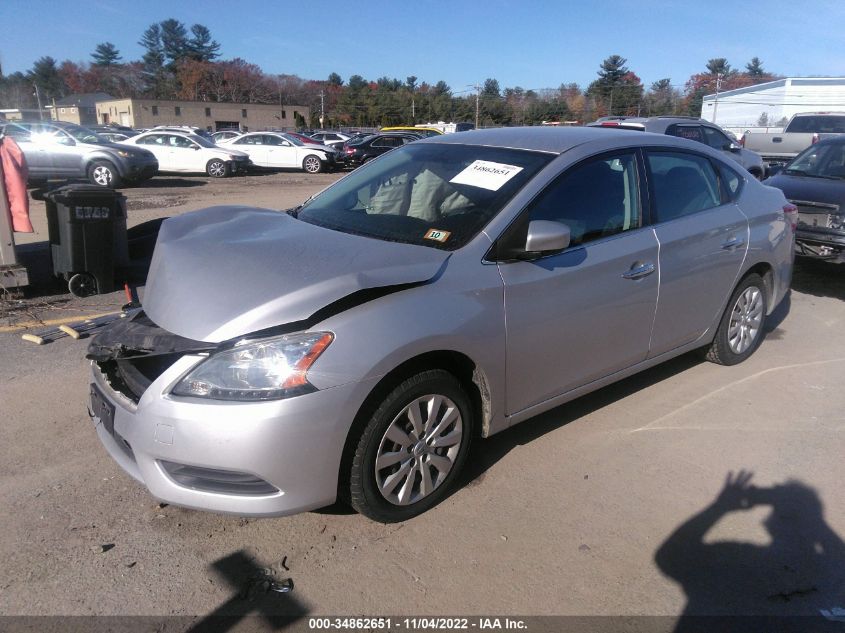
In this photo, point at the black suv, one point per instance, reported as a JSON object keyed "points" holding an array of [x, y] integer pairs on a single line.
{"points": [[68, 151]]}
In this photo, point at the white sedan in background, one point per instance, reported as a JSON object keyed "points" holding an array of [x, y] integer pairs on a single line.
{"points": [[277, 150], [188, 153]]}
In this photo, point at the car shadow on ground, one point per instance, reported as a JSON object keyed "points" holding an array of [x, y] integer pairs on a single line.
{"points": [[485, 453], [169, 182], [818, 278], [789, 582]]}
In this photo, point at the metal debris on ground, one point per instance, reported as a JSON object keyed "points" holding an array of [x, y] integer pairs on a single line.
{"points": [[101, 549]]}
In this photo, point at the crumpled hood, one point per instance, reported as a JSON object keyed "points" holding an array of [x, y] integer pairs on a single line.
{"points": [[228, 271]]}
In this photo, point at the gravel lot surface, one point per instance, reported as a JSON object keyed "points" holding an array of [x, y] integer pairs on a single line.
{"points": [[568, 513]]}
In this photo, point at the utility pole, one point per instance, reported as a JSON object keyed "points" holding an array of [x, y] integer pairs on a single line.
{"points": [[38, 97], [716, 100], [322, 107], [477, 97]]}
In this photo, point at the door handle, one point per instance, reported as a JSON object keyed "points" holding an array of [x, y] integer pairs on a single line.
{"points": [[733, 242], [638, 272]]}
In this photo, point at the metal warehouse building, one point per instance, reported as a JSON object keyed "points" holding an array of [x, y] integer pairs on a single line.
{"points": [[743, 108]]}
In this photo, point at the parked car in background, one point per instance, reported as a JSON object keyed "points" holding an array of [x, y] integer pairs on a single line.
{"points": [[272, 149], [424, 132], [803, 129], [691, 128], [815, 183], [68, 151], [365, 149], [113, 133], [180, 152], [449, 290], [303, 138], [183, 129], [332, 139], [225, 135]]}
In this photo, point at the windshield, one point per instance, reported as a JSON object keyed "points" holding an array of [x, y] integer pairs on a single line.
{"points": [[432, 194], [83, 134], [201, 140], [825, 160], [292, 139]]}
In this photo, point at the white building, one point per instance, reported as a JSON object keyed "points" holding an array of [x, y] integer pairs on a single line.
{"points": [[742, 109]]}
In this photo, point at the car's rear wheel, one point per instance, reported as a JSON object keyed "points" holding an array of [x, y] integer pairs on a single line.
{"points": [[741, 328], [312, 164], [104, 174], [217, 168], [412, 448]]}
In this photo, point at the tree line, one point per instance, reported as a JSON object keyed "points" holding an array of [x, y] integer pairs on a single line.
{"points": [[181, 63]]}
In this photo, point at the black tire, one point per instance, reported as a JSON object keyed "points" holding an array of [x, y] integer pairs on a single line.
{"points": [[312, 164], [217, 168], [364, 493], [722, 351], [82, 285], [104, 174]]}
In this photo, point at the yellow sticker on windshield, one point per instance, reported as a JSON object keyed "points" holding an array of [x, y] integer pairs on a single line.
{"points": [[437, 234]]}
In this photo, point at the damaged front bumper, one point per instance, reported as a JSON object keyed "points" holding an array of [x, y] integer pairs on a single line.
{"points": [[250, 459]]}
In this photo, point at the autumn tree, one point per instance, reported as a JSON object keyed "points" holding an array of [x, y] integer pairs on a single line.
{"points": [[617, 90]]}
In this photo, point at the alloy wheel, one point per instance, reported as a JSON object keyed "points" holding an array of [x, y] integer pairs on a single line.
{"points": [[102, 175], [746, 318], [418, 449]]}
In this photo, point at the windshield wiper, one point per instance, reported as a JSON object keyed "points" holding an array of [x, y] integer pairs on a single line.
{"points": [[801, 172]]}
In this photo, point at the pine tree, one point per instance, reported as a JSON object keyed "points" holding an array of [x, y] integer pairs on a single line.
{"points": [[201, 47], [755, 67], [718, 66], [174, 41], [45, 75], [106, 54]]}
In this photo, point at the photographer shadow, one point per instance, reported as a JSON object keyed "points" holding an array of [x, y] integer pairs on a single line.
{"points": [[794, 583]]}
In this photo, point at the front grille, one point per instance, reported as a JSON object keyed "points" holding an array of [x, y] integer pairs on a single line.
{"points": [[215, 480], [132, 376], [817, 215], [815, 220]]}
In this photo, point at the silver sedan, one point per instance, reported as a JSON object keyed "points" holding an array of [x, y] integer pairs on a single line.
{"points": [[354, 347]]}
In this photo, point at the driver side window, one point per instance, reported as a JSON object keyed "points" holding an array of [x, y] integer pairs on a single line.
{"points": [[595, 199]]}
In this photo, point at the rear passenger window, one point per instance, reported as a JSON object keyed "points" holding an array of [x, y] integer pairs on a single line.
{"points": [[595, 199], [730, 181], [683, 184]]}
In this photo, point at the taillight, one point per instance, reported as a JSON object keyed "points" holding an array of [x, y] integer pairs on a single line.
{"points": [[791, 213], [815, 138], [609, 124], [350, 150]]}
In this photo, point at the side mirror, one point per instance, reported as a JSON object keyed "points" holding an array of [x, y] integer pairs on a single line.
{"points": [[196, 148], [733, 147], [772, 170], [545, 236]]}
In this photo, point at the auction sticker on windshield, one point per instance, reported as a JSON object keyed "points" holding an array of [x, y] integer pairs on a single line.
{"points": [[486, 174], [435, 234]]}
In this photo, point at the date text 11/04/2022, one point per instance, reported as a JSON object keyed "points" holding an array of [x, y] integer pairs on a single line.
{"points": [[423, 623]]}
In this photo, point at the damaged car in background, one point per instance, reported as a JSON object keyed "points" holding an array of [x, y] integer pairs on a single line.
{"points": [[353, 347], [815, 183]]}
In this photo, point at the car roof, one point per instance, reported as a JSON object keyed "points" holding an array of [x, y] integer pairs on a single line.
{"points": [[555, 140]]}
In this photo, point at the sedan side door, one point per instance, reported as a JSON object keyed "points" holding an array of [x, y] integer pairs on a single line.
{"points": [[157, 144], [253, 145], [280, 153], [586, 312], [703, 241]]}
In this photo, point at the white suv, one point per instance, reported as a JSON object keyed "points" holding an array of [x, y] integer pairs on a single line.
{"points": [[189, 153]]}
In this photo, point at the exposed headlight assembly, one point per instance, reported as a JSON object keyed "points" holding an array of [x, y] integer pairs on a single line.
{"points": [[269, 369]]}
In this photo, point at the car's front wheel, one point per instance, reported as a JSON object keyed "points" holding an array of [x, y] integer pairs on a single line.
{"points": [[104, 174], [741, 328], [412, 448], [312, 164], [217, 168]]}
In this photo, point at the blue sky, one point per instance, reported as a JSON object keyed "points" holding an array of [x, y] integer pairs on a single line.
{"points": [[521, 43]]}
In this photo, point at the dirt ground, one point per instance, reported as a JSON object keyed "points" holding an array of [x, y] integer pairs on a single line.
{"points": [[608, 506]]}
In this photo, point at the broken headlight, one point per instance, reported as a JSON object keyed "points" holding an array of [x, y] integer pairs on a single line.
{"points": [[268, 369]]}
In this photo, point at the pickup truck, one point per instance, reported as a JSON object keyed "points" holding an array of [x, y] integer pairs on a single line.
{"points": [[803, 129]]}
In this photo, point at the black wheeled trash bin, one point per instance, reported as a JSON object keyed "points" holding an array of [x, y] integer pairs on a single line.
{"points": [[87, 229]]}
